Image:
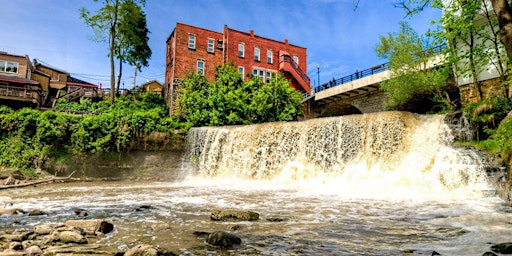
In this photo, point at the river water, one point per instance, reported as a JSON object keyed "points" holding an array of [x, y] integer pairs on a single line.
{"points": [[383, 184]]}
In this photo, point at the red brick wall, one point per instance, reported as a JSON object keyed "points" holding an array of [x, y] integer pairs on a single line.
{"points": [[250, 41], [186, 59]]}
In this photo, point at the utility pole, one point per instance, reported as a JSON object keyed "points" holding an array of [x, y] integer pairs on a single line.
{"points": [[134, 76]]}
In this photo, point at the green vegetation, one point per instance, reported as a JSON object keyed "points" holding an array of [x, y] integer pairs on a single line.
{"points": [[28, 137], [232, 101], [411, 78]]}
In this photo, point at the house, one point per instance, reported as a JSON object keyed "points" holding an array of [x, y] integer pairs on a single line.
{"points": [[16, 84], [62, 85], [152, 86], [194, 49]]}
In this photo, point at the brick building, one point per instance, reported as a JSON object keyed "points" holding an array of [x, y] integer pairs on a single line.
{"points": [[194, 49]]}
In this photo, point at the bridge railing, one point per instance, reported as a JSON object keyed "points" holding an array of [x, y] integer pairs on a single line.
{"points": [[352, 77], [367, 72]]}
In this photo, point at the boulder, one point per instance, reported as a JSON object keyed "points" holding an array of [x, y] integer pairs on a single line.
{"points": [[34, 250], [93, 226], [43, 229], [142, 250], [503, 248], [15, 246], [489, 254], [147, 250], [233, 215], [223, 239], [36, 212], [72, 237], [10, 211]]}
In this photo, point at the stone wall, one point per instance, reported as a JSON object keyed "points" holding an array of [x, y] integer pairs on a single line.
{"points": [[490, 89]]}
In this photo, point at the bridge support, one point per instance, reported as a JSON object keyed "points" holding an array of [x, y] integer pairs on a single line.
{"points": [[370, 102]]}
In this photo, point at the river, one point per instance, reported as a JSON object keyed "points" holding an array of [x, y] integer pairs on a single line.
{"points": [[364, 185]]}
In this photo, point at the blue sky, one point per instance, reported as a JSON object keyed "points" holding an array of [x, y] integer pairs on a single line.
{"points": [[338, 37]]}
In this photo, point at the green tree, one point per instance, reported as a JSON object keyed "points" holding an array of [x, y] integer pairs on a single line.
{"points": [[106, 26], [409, 58], [230, 100], [132, 42]]}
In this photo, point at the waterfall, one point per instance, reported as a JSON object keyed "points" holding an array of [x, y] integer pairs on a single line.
{"points": [[395, 149]]}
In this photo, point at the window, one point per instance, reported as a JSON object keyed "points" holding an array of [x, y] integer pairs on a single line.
{"points": [[296, 59], [211, 45], [265, 75], [9, 66], [200, 67], [191, 41], [256, 53], [241, 70], [241, 50], [269, 56]]}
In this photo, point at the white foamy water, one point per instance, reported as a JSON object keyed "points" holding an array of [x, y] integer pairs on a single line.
{"points": [[382, 184]]}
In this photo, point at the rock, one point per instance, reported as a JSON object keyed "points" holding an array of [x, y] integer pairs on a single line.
{"points": [[44, 229], [34, 250], [15, 246], [12, 211], [489, 254], [275, 219], [92, 225], [80, 212], [223, 239], [9, 181], [72, 237], [147, 250], [503, 248], [434, 253], [144, 208], [142, 250], [233, 215], [51, 238], [84, 249], [201, 233], [36, 212]]}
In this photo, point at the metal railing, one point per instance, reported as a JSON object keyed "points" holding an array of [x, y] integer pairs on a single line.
{"points": [[352, 77], [303, 75]]}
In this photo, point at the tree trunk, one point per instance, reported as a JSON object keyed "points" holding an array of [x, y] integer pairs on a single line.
{"points": [[504, 12], [113, 30]]}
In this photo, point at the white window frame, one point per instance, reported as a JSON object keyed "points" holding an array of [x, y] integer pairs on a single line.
{"points": [[200, 70], [4, 65], [191, 41], [270, 57], [296, 59], [241, 70], [256, 53], [241, 50], [211, 45]]}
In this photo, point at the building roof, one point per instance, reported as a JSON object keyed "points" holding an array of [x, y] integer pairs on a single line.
{"points": [[78, 82], [17, 80]]}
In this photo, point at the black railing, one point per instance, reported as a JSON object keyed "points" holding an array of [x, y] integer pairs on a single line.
{"points": [[303, 75], [368, 72], [352, 77]]}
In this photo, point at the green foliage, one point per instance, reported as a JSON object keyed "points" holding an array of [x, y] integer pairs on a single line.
{"points": [[232, 101], [409, 55], [29, 137], [486, 115]]}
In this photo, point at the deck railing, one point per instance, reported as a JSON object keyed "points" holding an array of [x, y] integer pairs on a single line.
{"points": [[23, 93]]}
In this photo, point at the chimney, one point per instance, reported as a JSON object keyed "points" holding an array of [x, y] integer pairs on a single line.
{"points": [[286, 41], [251, 32]]}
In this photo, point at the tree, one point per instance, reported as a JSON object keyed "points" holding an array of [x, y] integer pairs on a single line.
{"points": [[230, 100], [132, 40], [105, 24], [411, 76]]}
